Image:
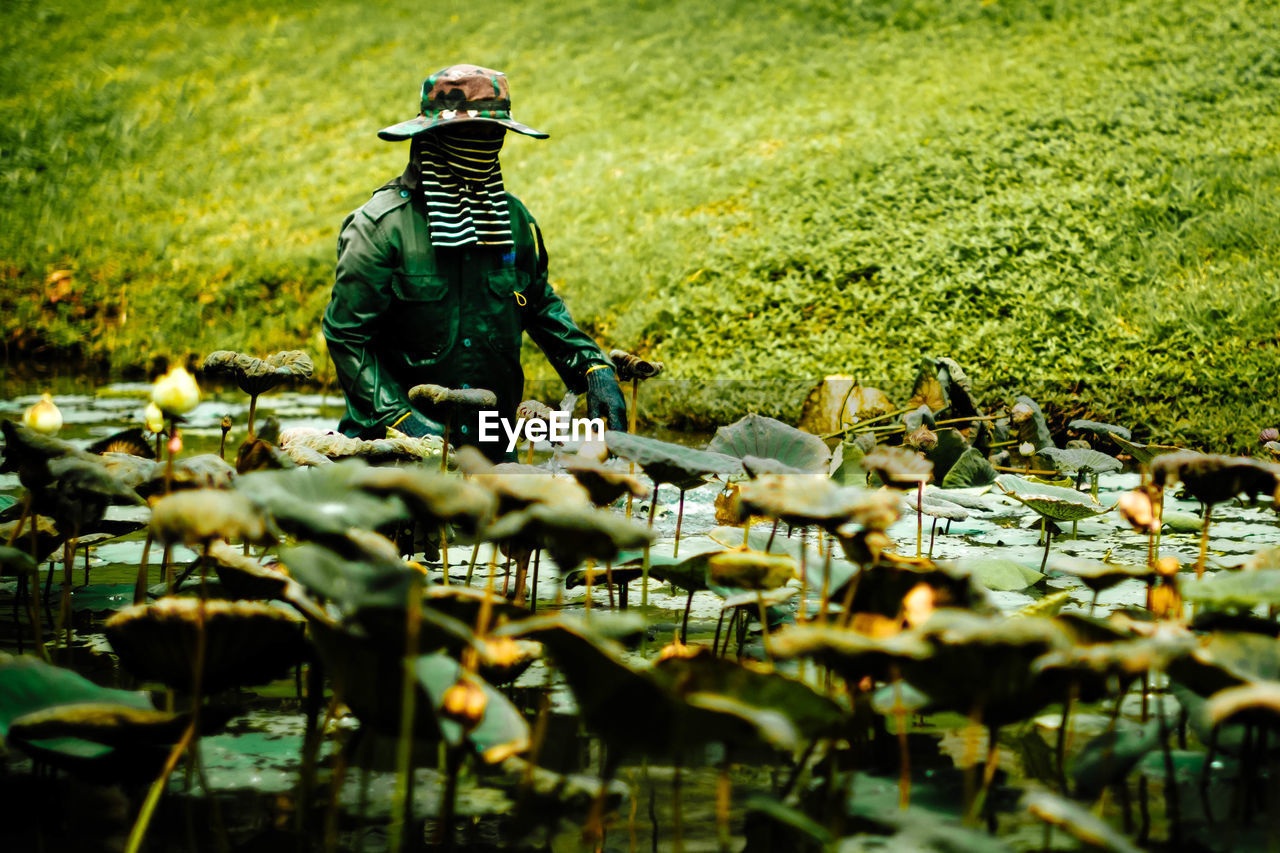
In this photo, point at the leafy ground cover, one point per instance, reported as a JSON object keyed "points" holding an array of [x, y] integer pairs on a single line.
{"points": [[1075, 200]]}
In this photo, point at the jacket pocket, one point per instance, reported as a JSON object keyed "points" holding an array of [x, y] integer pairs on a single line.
{"points": [[506, 294], [423, 317]]}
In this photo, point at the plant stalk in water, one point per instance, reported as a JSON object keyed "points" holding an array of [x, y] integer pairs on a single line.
{"points": [[402, 800]]}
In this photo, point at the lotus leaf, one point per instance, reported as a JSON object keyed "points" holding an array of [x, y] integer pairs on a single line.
{"points": [[571, 534], [1257, 704], [132, 471], [247, 642], [106, 723], [1122, 659], [1077, 820], [1077, 459], [767, 438], [199, 516], [129, 442], [79, 493], [846, 464], [463, 398], [1143, 453], [245, 577], [15, 562], [1228, 659], [936, 508], [802, 501], [970, 469], [302, 442], [1234, 590], [431, 496], [604, 484], [752, 599], [920, 419], [501, 731], [665, 462], [689, 573], [948, 446], [350, 580], [28, 453], [632, 367], [752, 570], [854, 656], [320, 502], [897, 467], [1098, 428], [257, 375], [882, 586], [1099, 576], [1051, 502], [1212, 479], [1000, 574], [838, 402], [518, 486], [928, 390], [1029, 424]]}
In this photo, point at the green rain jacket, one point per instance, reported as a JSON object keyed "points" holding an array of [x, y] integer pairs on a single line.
{"points": [[405, 312]]}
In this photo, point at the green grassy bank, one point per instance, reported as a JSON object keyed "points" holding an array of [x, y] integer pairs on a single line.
{"points": [[1076, 199]]}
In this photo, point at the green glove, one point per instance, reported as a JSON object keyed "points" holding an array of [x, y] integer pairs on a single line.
{"points": [[605, 400]]}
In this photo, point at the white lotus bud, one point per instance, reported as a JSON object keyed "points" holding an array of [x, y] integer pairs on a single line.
{"points": [[154, 418], [1027, 449], [176, 393], [43, 416]]}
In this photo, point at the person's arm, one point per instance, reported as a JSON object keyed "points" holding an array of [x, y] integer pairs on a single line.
{"points": [[361, 295]]}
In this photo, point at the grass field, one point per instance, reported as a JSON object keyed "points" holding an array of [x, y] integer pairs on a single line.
{"points": [[1080, 200]]}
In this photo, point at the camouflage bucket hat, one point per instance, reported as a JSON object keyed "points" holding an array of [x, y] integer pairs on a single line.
{"points": [[461, 93]]}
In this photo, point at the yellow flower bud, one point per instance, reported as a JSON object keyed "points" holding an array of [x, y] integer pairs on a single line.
{"points": [[43, 416], [154, 418], [464, 703], [176, 393]]}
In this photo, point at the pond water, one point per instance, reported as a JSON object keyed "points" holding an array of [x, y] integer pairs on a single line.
{"points": [[252, 766]]}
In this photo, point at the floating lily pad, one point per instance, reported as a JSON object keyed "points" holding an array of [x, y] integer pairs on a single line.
{"points": [[1051, 502], [1099, 576]]}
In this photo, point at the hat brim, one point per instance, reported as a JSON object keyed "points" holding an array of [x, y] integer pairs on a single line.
{"points": [[420, 124]]}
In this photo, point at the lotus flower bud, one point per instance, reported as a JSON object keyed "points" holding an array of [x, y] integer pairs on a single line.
{"points": [[1020, 413], [43, 416], [1136, 508], [923, 439], [1165, 602], [502, 651], [677, 649], [1268, 434], [1168, 566], [464, 703], [176, 393], [917, 605], [154, 418], [1027, 449]]}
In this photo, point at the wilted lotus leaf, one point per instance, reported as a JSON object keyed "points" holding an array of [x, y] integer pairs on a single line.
{"points": [[852, 655], [928, 390], [319, 502], [28, 453], [945, 449], [199, 516], [897, 467], [802, 501], [987, 663], [1124, 659], [130, 470], [665, 462], [936, 508], [838, 402], [1241, 591], [205, 471], [257, 375], [571, 534], [632, 710], [883, 587], [244, 577], [246, 642], [1099, 576], [465, 398], [518, 486], [970, 469], [1143, 453], [1077, 459], [1228, 659], [336, 446], [1053, 502], [79, 493], [1212, 479], [132, 441], [361, 576], [812, 713], [768, 438], [100, 722], [1078, 821], [431, 496], [1098, 428], [1254, 704], [604, 484], [633, 367], [753, 570], [922, 416], [921, 438], [1029, 423]]}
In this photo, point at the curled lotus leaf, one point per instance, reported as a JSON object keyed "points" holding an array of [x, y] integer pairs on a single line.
{"points": [[204, 471], [199, 516], [665, 462], [839, 402], [754, 570], [1256, 704], [431, 495], [100, 722], [604, 484], [462, 398], [1099, 428], [246, 642], [571, 534], [631, 367], [1143, 453], [256, 375], [1079, 822], [1052, 502], [897, 467], [321, 501], [1078, 459], [1099, 576], [245, 577], [534, 410], [302, 442], [851, 654], [971, 468], [769, 438], [1029, 424], [806, 500], [1212, 479], [518, 486]]}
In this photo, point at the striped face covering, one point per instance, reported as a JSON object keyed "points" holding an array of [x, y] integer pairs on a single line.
{"points": [[461, 180]]}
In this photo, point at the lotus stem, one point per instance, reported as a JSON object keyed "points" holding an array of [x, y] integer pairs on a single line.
{"points": [[715, 642], [402, 799], [677, 813], [165, 553], [899, 712], [1204, 541], [824, 601], [860, 425], [336, 780], [1062, 737], [253, 408], [1048, 539], [675, 551], [802, 611], [587, 602], [1170, 781], [168, 466], [746, 534], [64, 612], [449, 804], [684, 625], [608, 581], [919, 519], [764, 627], [471, 566], [1035, 472], [22, 521], [444, 553], [724, 800], [33, 613], [528, 457], [444, 447], [772, 533]]}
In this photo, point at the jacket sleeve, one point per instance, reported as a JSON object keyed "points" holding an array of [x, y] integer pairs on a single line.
{"points": [[361, 294], [571, 351]]}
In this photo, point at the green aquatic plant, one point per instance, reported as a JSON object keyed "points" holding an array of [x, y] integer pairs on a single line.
{"points": [[255, 376], [1051, 503]]}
